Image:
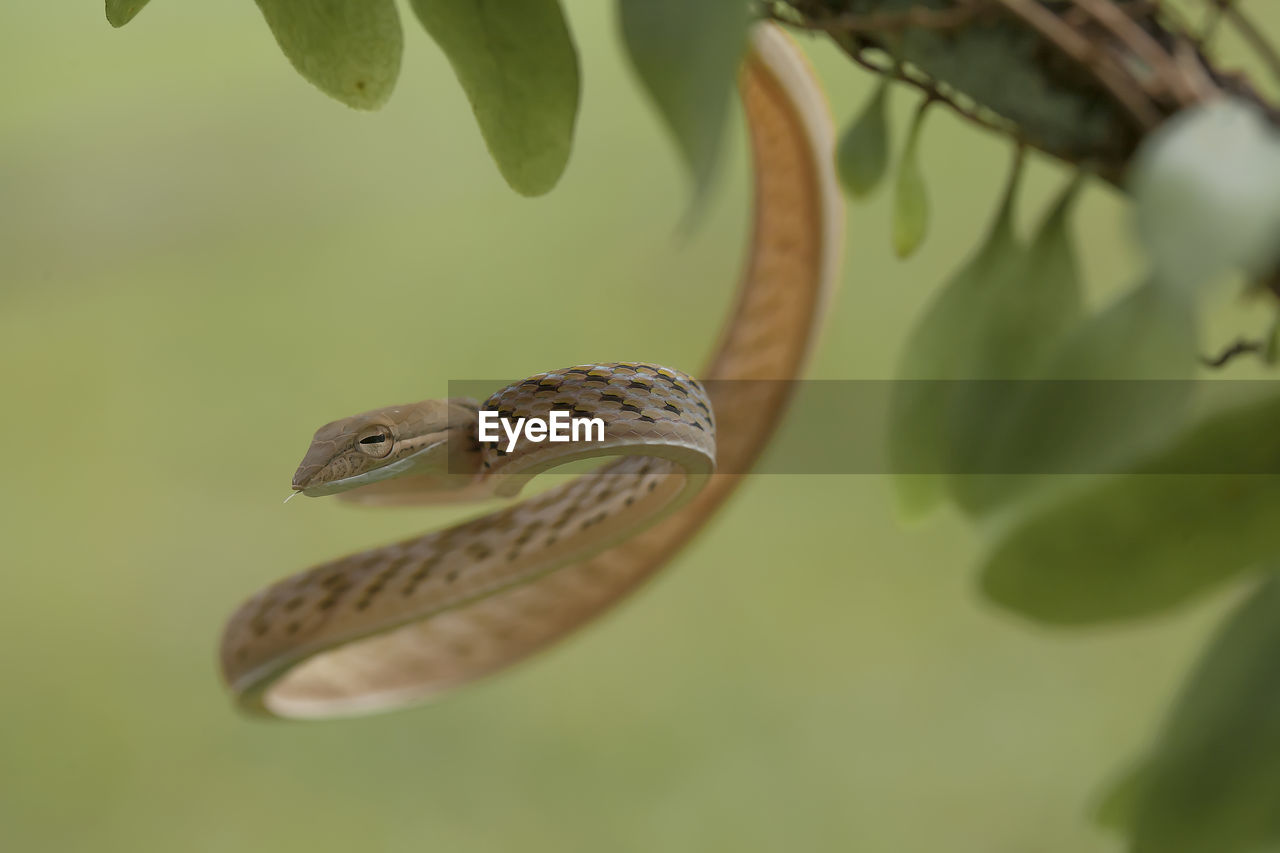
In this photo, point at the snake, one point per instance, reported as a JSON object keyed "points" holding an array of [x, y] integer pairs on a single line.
{"points": [[403, 623]]}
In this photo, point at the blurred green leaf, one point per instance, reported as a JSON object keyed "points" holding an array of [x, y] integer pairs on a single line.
{"points": [[1146, 334], [1106, 395], [349, 49], [911, 202], [1206, 192], [517, 63], [686, 56], [121, 12], [1031, 311], [862, 158], [1213, 780], [944, 346], [1127, 545], [1120, 801], [1026, 315]]}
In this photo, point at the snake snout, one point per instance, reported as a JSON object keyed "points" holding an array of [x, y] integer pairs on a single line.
{"points": [[319, 457], [304, 475]]}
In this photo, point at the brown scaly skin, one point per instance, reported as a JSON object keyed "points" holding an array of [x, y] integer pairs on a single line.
{"points": [[336, 641]]}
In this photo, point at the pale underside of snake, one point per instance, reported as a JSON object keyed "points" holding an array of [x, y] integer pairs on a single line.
{"points": [[401, 623]]}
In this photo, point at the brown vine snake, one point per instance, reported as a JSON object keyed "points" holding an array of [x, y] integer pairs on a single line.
{"points": [[397, 624]]}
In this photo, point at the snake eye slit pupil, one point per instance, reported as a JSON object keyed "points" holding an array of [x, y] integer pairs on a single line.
{"points": [[376, 444]]}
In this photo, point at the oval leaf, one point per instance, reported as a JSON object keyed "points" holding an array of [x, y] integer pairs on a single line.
{"points": [[1120, 801], [1133, 544], [942, 348], [686, 56], [517, 63], [121, 12], [1107, 395], [350, 49], [1034, 309], [862, 159], [1212, 784], [911, 202], [1027, 314]]}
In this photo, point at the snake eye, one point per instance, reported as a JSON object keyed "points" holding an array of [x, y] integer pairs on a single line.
{"points": [[375, 441]]}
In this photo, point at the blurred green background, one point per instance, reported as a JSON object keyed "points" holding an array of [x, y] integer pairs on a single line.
{"points": [[202, 259]]}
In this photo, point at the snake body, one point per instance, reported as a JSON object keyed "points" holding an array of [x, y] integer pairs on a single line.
{"points": [[399, 623]]}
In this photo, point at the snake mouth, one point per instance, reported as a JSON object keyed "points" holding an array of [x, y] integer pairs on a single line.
{"points": [[312, 466], [303, 476]]}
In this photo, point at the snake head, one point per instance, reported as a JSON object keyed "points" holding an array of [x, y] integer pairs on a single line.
{"points": [[430, 437]]}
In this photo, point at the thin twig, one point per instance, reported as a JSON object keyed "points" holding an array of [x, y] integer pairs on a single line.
{"points": [[1164, 72], [1193, 71], [1077, 17], [897, 71], [1212, 21], [1075, 46], [1239, 348], [1251, 34], [931, 90], [913, 18]]}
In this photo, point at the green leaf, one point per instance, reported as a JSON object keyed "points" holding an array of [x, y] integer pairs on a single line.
{"points": [[349, 49], [944, 346], [1027, 314], [1100, 401], [911, 203], [686, 56], [517, 63], [1127, 545], [1213, 780], [1206, 192], [121, 12], [1034, 309], [862, 158], [1119, 804]]}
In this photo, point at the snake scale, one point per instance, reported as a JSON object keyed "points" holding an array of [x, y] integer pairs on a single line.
{"points": [[400, 623]]}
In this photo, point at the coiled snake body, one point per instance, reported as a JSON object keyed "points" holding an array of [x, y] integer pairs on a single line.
{"points": [[399, 623]]}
